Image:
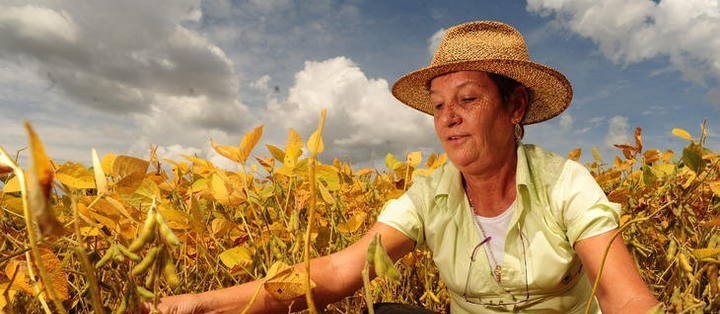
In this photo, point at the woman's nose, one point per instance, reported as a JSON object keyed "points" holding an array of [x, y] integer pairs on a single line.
{"points": [[450, 115]]}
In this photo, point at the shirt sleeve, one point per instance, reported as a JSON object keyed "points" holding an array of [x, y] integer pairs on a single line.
{"points": [[402, 215], [586, 211]]}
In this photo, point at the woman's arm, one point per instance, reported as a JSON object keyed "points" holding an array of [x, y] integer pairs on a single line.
{"points": [[337, 275], [621, 289]]}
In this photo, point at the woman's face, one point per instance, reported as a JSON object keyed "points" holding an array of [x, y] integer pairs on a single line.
{"points": [[473, 125]]}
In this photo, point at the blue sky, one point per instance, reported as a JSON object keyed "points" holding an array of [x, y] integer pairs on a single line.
{"points": [[123, 75]]}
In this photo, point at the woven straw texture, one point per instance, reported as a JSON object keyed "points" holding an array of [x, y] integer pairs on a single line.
{"points": [[490, 47]]}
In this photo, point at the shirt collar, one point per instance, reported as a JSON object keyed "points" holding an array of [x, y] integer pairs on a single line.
{"points": [[450, 182]]}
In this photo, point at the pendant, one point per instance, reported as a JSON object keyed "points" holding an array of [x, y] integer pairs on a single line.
{"points": [[498, 273]]}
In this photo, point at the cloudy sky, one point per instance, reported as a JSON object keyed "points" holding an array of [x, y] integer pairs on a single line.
{"points": [[120, 76]]}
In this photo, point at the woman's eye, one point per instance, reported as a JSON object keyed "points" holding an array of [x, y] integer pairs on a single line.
{"points": [[438, 106], [469, 99]]}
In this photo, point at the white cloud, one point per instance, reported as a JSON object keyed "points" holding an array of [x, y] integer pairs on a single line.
{"points": [[434, 41], [630, 31], [566, 121], [363, 116], [618, 131], [261, 83], [115, 57]]}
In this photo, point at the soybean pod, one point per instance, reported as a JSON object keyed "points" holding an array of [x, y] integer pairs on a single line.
{"points": [[165, 232], [143, 266], [147, 233]]}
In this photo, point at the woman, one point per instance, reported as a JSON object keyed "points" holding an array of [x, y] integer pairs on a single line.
{"points": [[511, 226]]}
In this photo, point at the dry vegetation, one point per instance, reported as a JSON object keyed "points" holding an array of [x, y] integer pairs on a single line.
{"points": [[127, 230]]}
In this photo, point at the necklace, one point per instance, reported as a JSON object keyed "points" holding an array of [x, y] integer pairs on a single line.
{"points": [[497, 270]]}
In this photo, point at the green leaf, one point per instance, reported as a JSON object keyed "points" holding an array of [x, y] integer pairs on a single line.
{"points": [[380, 261], [692, 159]]}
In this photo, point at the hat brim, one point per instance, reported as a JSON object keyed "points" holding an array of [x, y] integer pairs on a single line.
{"points": [[550, 92]]}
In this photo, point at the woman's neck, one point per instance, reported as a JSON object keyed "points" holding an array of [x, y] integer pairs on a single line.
{"points": [[492, 190]]}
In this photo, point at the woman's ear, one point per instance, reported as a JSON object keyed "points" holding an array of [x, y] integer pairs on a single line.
{"points": [[520, 98]]}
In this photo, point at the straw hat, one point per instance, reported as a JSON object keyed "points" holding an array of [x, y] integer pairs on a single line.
{"points": [[491, 47]]}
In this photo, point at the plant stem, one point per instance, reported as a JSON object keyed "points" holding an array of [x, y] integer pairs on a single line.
{"points": [[311, 214]]}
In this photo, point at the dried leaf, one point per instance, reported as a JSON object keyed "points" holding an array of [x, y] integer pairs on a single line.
{"points": [[218, 189], [715, 187], [276, 152], [130, 183], [107, 163], [248, 143], [12, 185], [125, 166], [99, 173], [286, 283], [75, 175], [353, 224], [575, 154], [53, 265], [229, 152], [11, 295], [40, 179]]}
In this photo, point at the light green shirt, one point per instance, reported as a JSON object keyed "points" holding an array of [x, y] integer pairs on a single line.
{"points": [[558, 203]]}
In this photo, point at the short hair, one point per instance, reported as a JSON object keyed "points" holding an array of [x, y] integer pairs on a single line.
{"points": [[505, 86]]}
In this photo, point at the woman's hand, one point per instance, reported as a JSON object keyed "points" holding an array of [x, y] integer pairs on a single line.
{"points": [[178, 304]]}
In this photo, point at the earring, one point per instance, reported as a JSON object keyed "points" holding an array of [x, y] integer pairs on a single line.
{"points": [[519, 132]]}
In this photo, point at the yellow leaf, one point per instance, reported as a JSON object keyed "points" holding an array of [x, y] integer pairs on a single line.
{"points": [[362, 172], [39, 185], [12, 185], [124, 166], [276, 152], [218, 189], [58, 278], [414, 158], [229, 152], [715, 187], [391, 162], [107, 163], [13, 204], [99, 172], [325, 194], [651, 155], [220, 226], [682, 134], [706, 252], [315, 142], [293, 148], [287, 283], [236, 258], [248, 143], [11, 295], [128, 184], [352, 224], [575, 154], [75, 175], [329, 175], [175, 219]]}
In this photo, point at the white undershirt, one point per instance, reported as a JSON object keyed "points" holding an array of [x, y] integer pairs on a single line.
{"points": [[496, 227]]}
